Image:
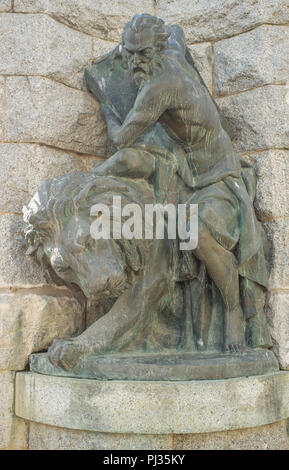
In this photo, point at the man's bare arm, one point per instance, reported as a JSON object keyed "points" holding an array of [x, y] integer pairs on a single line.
{"points": [[150, 104], [130, 163]]}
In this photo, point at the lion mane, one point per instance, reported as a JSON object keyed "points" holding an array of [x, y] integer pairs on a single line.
{"points": [[60, 198]]}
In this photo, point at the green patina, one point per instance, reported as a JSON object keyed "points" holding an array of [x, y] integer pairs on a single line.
{"points": [[172, 146]]}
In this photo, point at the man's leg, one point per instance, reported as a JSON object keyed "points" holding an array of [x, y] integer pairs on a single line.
{"points": [[222, 267]]}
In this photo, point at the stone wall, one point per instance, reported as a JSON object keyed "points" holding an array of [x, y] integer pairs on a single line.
{"points": [[50, 125], [269, 437]]}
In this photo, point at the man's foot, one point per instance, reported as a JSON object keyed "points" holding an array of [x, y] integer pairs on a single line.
{"points": [[235, 348], [234, 334]]}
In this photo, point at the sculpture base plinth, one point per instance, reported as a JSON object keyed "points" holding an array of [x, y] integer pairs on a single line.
{"points": [[161, 366], [151, 407]]}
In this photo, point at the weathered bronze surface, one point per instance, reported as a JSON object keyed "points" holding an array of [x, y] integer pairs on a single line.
{"points": [[201, 310], [162, 366]]}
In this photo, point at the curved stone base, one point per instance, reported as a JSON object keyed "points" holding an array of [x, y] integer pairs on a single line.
{"points": [[163, 366], [153, 407], [272, 436]]}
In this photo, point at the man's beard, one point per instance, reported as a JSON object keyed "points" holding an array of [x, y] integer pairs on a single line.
{"points": [[146, 71]]}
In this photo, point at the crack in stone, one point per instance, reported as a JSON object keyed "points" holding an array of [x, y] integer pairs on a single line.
{"points": [[281, 83]]}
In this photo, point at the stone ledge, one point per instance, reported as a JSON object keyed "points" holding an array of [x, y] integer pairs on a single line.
{"points": [[153, 407]]}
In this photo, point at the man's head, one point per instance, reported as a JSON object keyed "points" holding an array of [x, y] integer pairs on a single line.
{"points": [[144, 39]]}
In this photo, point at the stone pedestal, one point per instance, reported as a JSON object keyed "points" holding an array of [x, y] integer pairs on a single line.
{"points": [[100, 414]]}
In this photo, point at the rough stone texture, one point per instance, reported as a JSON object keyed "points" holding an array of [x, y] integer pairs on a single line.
{"points": [[1, 104], [202, 55], [41, 110], [101, 47], [277, 313], [258, 117], [272, 196], [152, 407], [42, 437], [38, 45], [278, 236], [5, 5], [51, 113], [13, 431], [252, 59], [205, 20], [16, 268], [270, 437], [24, 167], [30, 323], [99, 18], [95, 162], [272, 192]]}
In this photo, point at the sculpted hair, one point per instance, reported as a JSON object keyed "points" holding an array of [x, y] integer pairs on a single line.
{"points": [[60, 198], [156, 25]]}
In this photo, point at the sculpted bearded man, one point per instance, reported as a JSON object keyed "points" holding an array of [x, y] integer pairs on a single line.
{"points": [[171, 92]]}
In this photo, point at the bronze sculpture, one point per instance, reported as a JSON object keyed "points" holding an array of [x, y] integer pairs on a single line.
{"points": [[170, 314]]}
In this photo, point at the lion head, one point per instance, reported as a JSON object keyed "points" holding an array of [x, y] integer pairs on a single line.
{"points": [[58, 233]]}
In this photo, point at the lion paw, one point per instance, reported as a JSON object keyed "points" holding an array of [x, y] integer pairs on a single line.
{"points": [[65, 353]]}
